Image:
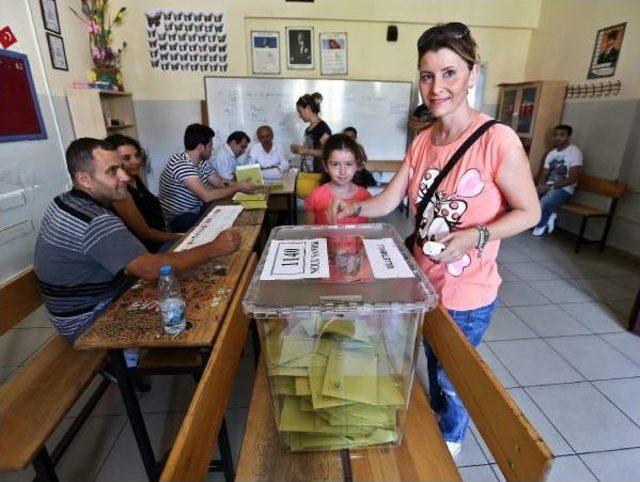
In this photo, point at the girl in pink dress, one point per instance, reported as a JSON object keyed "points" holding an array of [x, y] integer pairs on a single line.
{"points": [[340, 164]]}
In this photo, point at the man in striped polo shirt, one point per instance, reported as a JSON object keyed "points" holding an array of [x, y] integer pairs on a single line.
{"points": [[85, 255], [189, 181]]}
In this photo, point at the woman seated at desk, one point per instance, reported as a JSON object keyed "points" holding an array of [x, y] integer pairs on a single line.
{"points": [[141, 210]]}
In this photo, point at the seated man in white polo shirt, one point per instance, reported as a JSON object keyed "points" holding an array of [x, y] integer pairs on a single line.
{"points": [[270, 157]]}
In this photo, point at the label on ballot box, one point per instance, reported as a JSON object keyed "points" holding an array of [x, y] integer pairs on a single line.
{"points": [[296, 259]]}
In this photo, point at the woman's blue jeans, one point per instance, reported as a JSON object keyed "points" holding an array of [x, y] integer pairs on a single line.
{"points": [[549, 202], [453, 418]]}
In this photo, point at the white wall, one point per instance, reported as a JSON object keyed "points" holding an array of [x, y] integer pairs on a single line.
{"points": [[32, 170]]}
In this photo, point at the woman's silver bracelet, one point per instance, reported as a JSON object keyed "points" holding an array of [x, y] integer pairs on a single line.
{"points": [[483, 239]]}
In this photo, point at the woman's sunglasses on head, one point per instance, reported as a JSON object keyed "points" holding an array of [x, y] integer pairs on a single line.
{"points": [[454, 30]]}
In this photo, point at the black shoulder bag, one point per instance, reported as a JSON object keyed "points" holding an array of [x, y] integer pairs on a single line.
{"points": [[411, 239]]}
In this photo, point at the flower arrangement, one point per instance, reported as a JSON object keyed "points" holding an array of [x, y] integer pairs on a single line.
{"points": [[95, 15]]}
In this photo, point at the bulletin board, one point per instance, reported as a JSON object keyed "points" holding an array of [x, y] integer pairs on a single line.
{"points": [[20, 119]]}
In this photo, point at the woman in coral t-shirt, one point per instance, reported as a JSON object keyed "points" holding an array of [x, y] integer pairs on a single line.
{"points": [[467, 212]]}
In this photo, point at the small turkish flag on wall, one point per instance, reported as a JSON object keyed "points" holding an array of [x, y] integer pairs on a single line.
{"points": [[7, 38]]}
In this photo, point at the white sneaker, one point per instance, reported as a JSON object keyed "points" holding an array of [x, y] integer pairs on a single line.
{"points": [[539, 231], [454, 448], [551, 222]]}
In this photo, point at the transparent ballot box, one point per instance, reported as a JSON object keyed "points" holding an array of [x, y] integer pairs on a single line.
{"points": [[339, 311]]}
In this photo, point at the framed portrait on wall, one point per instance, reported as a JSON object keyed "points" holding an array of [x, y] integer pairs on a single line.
{"points": [[50, 17], [57, 52], [606, 51], [300, 48], [265, 52], [333, 54]]}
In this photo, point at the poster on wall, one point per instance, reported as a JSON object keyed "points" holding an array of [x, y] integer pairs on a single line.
{"points": [[57, 52], [187, 41], [265, 52], [606, 51], [299, 48], [21, 119], [333, 53]]}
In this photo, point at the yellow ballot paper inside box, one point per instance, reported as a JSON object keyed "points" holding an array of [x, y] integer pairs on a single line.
{"points": [[352, 375], [308, 441], [362, 414], [284, 385], [293, 419], [302, 387], [250, 173], [316, 380]]}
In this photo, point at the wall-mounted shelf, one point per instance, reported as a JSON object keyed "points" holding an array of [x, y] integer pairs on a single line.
{"points": [[92, 111]]}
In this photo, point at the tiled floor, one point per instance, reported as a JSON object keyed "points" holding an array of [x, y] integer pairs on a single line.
{"points": [[557, 342]]}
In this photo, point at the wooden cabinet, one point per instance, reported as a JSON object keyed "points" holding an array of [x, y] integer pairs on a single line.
{"points": [[99, 113], [532, 109]]}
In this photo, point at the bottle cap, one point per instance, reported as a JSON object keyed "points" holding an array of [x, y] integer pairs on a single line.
{"points": [[165, 270]]}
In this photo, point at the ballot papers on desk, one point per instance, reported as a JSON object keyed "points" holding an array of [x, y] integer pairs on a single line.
{"points": [[339, 311]]}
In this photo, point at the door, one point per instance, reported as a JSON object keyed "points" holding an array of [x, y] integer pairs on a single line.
{"points": [[526, 112], [508, 104]]}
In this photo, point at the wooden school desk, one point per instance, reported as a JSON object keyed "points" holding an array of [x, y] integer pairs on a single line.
{"points": [[516, 446], [128, 323]]}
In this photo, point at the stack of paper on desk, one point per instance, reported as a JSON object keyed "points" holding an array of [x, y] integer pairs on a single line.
{"points": [[251, 201], [334, 385]]}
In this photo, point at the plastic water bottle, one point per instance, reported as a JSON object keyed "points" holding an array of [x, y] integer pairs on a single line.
{"points": [[171, 302]]}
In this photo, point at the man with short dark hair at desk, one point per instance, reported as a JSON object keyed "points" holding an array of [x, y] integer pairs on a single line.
{"points": [[84, 252], [189, 181], [225, 158]]}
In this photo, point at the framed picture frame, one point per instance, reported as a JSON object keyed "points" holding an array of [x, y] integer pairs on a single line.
{"points": [[299, 48], [23, 120], [50, 16], [606, 51], [333, 53], [265, 52], [57, 52]]}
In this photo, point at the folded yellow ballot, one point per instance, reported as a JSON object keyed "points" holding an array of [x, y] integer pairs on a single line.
{"points": [[352, 375], [316, 380]]}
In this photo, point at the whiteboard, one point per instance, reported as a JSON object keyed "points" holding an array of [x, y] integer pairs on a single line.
{"points": [[378, 110]]}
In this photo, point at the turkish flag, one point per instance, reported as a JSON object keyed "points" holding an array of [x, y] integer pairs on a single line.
{"points": [[7, 38]]}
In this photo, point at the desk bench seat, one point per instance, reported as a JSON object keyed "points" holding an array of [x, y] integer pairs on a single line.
{"points": [[601, 187], [35, 399]]}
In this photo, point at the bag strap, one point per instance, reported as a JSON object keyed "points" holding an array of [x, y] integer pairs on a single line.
{"points": [[447, 168]]}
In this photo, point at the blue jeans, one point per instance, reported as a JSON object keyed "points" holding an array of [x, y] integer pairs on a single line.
{"points": [[549, 201], [453, 416]]}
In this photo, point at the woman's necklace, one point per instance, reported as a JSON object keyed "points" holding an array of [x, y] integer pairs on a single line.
{"points": [[439, 136]]}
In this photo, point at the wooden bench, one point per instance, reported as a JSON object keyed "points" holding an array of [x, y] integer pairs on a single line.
{"points": [[518, 449], [36, 398], [601, 187], [195, 443]]}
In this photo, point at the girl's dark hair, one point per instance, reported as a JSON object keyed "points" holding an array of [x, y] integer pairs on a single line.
{"points": [[312, 101], [117, 140], [337, 142], [454, 36]]}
